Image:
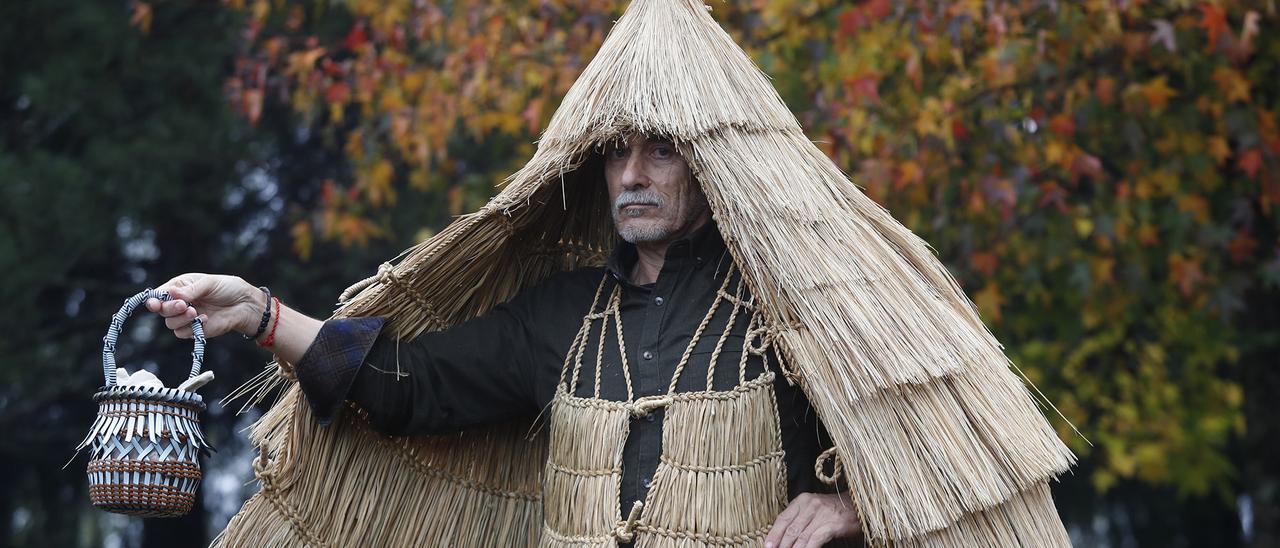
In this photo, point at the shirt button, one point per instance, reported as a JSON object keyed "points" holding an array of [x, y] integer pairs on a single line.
{"points": [[647, 355], [647, 483], [649, 417], [657, 301]]}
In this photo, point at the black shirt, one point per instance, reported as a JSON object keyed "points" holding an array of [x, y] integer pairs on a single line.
{"points": [[507, 363]]}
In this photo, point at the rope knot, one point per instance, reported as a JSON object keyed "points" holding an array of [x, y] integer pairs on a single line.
{"points": [[626, 530], [387, 273], [646, 405], [837, 466], [261, 469]]}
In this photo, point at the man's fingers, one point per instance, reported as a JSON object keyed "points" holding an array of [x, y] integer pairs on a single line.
{"points": [[819, 535], [794, 536], [170, 309], [780, 526], [796, 533], [180, 320]]}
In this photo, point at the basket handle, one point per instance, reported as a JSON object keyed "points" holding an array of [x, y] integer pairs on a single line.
{"points": [[113, 332]]}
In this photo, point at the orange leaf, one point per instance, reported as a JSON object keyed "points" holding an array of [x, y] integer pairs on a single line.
{"points": [[1232, 84], [141, 17], [1157, 92], [1197, 206], [1185, 272], [251, 105], [989, 302], [1062, 124], [1213, 19], [1105, 89], [1219, 149], [984, 262], [1241, 247], [908, 172], [301, 233]]}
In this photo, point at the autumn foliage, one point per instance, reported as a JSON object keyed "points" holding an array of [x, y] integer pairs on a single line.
{"points": [[1103, 176]]}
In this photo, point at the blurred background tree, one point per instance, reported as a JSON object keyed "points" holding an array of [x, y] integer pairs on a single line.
{"points": [[1102, 176]]}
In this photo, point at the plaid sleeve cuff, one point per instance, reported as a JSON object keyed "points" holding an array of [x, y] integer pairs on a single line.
{"points": [[330, 364]]}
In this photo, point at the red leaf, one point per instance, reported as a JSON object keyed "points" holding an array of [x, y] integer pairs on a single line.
{"points": [[958, 130], [877, 9], [1250, 162], [1063, 125], [852, 20], [1241, 247], [357, 37], [327, 192], [1085, 165], [863, 87], [1052, 194], [338, 92]]}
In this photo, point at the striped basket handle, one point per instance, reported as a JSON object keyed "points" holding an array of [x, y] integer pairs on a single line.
{"points": [[113, 332]]}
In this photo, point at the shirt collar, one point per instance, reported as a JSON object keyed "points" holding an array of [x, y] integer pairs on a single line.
{"points": [[704, 245]]}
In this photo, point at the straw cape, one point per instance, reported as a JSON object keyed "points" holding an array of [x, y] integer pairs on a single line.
{"points": [[940, 441]]}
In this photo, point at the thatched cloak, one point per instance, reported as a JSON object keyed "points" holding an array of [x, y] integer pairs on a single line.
{"points": [[941, 442]]}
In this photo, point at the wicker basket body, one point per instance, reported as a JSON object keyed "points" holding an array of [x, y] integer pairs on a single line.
{"points": [[145, 444]]}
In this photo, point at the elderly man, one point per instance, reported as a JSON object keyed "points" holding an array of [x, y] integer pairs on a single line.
{"points": [[511, 361]]}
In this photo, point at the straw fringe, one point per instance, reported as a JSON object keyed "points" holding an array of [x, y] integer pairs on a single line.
{"points": [[931, 431], [922, 458], [1028, 520], [942, 444], [349, 486]]}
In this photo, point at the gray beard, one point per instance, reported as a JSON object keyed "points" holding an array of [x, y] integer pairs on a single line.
{"points": [[645, 234], [651, 233]]}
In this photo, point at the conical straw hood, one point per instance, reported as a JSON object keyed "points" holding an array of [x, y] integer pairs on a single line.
{"points": [[941, 443], [667, 69]]}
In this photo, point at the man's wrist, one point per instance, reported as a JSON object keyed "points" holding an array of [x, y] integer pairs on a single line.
{"points": [[254, 309]]}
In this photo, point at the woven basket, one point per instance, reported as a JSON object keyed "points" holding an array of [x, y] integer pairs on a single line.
{"points": [[145, 444]]}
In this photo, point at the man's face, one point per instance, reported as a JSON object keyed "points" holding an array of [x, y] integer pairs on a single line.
{"points": [[653, 196]]}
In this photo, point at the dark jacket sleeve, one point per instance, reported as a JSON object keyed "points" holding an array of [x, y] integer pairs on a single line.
{"points": [[472, 374]]}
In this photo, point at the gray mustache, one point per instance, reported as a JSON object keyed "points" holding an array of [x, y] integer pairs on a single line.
{"points": [[637, 197]]}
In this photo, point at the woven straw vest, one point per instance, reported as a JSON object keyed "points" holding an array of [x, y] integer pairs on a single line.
{"points": [[721, 479]]}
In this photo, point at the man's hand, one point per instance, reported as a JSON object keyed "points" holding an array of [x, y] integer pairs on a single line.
{"points": [[812, 520], [227, 303]]}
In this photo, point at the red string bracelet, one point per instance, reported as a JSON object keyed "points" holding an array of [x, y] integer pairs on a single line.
{"points": [[271, 337]]}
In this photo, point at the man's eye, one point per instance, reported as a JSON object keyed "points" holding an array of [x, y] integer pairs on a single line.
{"points": [[617, 153], [663, 151]]}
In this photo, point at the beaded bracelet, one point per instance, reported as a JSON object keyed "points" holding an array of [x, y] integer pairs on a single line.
{"points": [[266, 317], [271, 336]]}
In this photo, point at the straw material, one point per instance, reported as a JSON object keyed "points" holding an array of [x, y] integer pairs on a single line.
{"points": [[942, 444], [721, 479]]}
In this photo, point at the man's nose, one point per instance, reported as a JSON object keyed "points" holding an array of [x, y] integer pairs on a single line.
{"points": [[633, 174]]}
